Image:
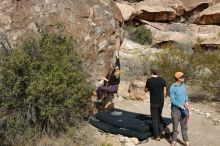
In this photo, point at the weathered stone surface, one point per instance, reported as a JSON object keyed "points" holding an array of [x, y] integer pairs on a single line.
{"points": [[155, 11], [127, 11], [170, 10], [192, 4], [123, 89], [136, 90], [129, 46], [89, 21], [172, 36], [132, 90], [116, 11], [210, 15], [208, 39], [182, 33]]}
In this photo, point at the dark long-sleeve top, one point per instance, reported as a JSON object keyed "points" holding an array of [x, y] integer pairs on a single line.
{"points": [[113, 80]]}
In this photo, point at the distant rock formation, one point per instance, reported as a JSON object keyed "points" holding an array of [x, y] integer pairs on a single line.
{"points": [[210, 15]]}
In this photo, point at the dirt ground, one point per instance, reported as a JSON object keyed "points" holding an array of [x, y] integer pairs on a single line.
{"points": [[202, 131]]}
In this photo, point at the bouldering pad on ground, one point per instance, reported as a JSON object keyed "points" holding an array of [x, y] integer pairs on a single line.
{"points": [[117, 121]]}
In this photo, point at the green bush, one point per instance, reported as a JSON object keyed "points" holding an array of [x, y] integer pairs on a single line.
{"points": [[135, 66], [43, 88], [140, 35], [201, 68], [206, 70], [170, 61]]}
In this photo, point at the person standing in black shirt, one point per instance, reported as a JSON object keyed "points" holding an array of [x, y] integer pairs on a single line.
{"points": [[157, 88]]}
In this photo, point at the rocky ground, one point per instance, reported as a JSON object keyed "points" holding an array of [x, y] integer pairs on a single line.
{"points": [[204, 125]]}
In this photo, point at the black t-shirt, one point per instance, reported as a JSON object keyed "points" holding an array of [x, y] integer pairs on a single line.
{"points": [[156, 87]]}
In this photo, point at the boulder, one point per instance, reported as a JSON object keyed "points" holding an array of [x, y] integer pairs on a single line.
{"points": [[123, 89], [181, 27], [209, 39], [132, 90], [155, 11], [184, 34], [192, 4], [128, 12], [136, 90], [177, 5], [161, 36], [210, 15], [116, 11], [129, 46]]}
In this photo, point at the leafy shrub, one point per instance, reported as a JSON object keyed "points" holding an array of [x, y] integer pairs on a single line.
{"points": [[201, 68], [140, 35], [135, 66], [206, 69], [170, 61], [43, 88]]}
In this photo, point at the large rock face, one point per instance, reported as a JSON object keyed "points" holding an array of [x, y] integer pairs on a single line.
{"points": [[90, 21]]}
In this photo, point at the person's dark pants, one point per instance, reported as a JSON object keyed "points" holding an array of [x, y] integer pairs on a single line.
{"points": [[156, 112], [176, 119], [106, 89]]}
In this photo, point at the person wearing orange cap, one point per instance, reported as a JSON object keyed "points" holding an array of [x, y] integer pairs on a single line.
{"points": [[179, 104], [157, 87]]}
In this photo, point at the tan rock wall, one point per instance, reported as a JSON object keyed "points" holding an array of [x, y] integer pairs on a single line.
{"points": [[91, 22]]}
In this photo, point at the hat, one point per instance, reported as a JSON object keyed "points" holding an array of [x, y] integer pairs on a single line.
{"points": [[178, 74], [154, 68]]}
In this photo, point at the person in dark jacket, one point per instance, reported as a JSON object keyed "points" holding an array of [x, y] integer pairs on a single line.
{"points": [[111, 82], [157, 87]]}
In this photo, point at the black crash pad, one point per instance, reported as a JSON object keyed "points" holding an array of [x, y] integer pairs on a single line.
{"points": [[125, 119], [115, 130], [117, 121]]}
